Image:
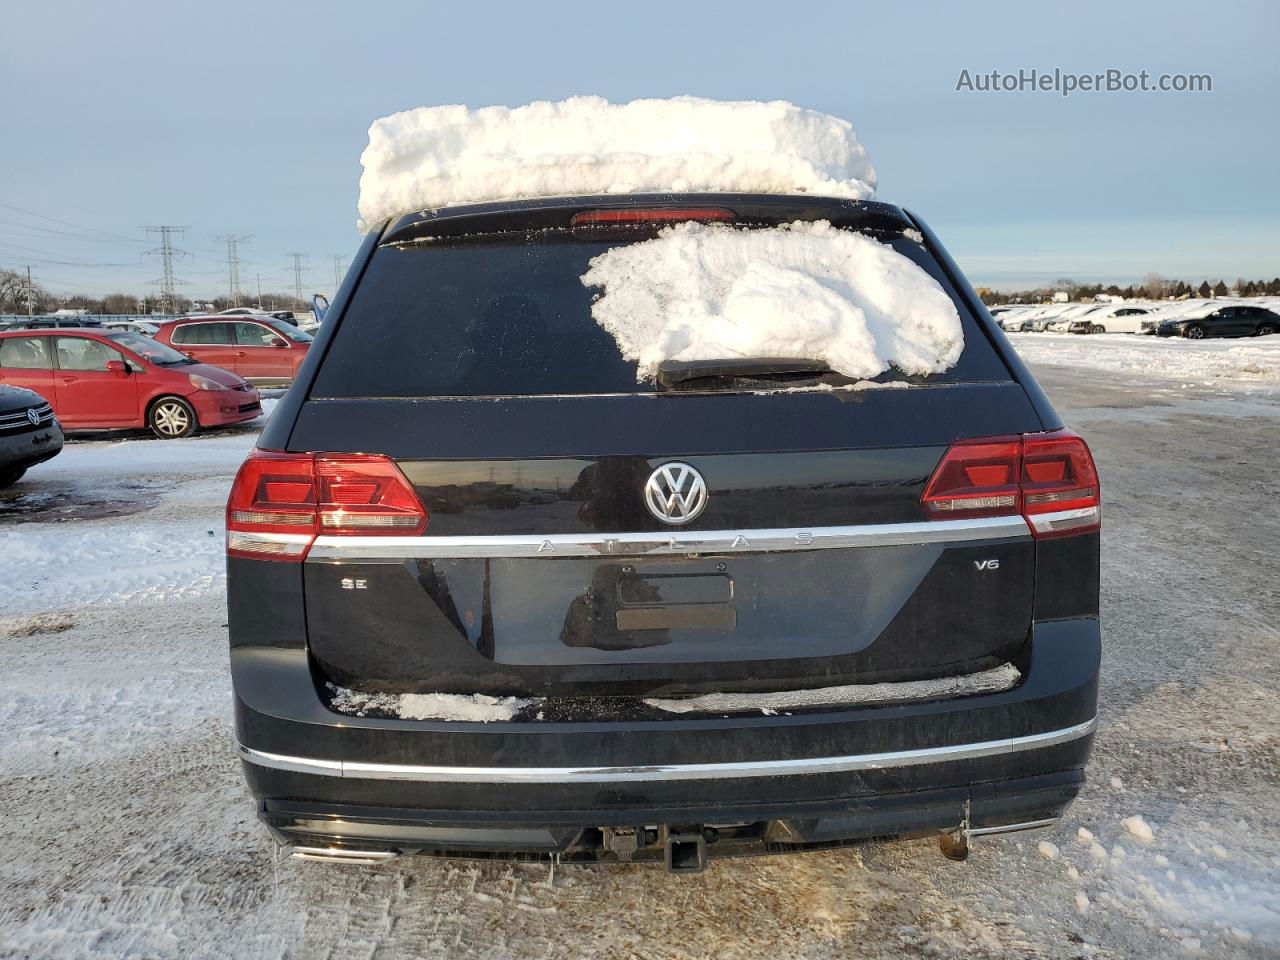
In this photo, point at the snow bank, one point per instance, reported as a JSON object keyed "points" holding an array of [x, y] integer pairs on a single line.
{"points": [[1253, 362], [476, 708], [710, 291], [998, 678], [441, 156]]}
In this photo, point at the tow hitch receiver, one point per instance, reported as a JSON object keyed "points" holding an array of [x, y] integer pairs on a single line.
{"points": [[686, 849]]}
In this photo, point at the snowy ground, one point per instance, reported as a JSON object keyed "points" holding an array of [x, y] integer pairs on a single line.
{"points": [[128, 832], [1249, 364]]}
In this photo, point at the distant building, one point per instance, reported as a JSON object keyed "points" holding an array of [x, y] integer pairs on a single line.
{"points": [[1061, 296]]}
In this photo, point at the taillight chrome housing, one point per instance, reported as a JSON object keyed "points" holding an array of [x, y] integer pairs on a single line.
{"points": [[1047, 478], [280, 502]]}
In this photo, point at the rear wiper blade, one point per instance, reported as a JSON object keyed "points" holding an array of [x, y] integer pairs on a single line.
{"points": [[674, 372]]}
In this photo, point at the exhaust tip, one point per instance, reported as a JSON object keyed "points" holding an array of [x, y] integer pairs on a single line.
{"points": [[342, 855]]}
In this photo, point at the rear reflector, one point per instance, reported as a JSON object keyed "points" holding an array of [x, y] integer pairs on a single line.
{"points": [[280, 502], [1048, 478], [606, 218]]}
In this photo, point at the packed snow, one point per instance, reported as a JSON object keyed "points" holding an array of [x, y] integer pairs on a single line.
{"points": [[702, 291], [474, 708], [1138, 828], [1003, 677], [447, 155]]}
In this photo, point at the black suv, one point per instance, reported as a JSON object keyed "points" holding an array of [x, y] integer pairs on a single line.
{"points": [[491, 596]]}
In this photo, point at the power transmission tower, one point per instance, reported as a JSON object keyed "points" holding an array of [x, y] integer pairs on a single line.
{"points": [[338, 271], [31, 294], [233, 266], [298, 269], [167, 253]]}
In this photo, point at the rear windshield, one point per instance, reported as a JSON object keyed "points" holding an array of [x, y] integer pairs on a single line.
{"points": [[512, 317], [287, 329]]}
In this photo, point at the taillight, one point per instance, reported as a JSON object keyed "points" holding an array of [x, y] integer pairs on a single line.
{"points": [[976, 478], [1060, 493], [607, 218], [1048, 478], [280, 502], [366, 495]]}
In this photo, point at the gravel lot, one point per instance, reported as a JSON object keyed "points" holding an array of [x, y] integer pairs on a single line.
{"points": [[127, 831]]}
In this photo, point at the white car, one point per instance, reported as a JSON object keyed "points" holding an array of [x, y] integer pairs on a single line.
{"points": [[1063, 321], [144, 327], [1119, 318]]}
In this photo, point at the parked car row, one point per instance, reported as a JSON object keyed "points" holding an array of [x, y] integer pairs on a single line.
{"points": [[106, 379], [173, 378], [1194, 319]]}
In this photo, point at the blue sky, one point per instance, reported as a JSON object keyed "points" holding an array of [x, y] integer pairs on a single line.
{"points": [[249, 119]]}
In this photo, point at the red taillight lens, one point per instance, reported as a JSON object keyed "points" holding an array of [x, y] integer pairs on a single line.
{"points": [[271, 513], [976, 478], [280, 502], [1048, 478], [1060, 494], [366, 495], [605, 218]]}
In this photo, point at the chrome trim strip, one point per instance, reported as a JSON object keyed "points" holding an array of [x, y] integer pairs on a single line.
{"points": [[684, 771], [1013, 827], [301, 539], [660, 543]]}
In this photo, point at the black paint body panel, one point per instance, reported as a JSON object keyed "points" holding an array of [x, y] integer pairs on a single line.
{"points": [[513, 428], [804, 619]]}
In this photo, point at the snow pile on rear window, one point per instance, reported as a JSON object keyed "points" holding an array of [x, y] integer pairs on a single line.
{"points": [[803, 290], [441, 156]]}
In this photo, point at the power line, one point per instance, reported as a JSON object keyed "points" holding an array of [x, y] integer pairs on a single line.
{"points": [[298, 269], [68, 223], [167, 253], [233, 266], [45, 233], [69, 263]]}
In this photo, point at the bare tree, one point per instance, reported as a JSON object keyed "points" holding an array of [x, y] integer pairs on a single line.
{"points": [[120, 303], [1157, 287], [14, 293]]}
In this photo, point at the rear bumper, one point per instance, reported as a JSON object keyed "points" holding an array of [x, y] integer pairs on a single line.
{"points": [[759, 784]]}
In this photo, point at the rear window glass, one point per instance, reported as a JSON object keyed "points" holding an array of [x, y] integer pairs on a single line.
{"points": [[512, 317], [207, 333]]}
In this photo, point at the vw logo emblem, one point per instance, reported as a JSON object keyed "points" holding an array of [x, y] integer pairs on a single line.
{"points": [[675, 493], [33, 416]]}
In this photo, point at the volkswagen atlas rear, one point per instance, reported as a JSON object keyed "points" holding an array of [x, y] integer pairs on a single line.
{"points": [[492, 595]]}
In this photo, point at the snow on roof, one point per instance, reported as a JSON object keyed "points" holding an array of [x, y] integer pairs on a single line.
{"points": [[703, 291], [447, 155]]}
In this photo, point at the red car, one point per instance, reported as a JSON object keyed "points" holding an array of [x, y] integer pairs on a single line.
{"points": [[260, 348], [101, 379]]}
